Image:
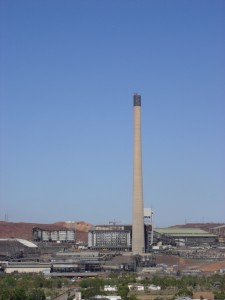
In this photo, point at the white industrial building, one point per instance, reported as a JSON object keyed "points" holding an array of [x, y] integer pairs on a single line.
{"points": [[109, 237], [28, 268], [52, 234]]}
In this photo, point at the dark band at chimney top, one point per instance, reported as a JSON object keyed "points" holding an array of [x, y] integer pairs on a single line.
{"points": [[137, 100]]}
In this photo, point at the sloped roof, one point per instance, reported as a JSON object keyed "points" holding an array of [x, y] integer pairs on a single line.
{"points": [[22, 241], [218, 227], [27, 243], [178, 231], [51, 227]]}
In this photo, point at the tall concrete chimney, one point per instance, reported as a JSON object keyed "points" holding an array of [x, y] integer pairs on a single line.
{"points": [[138, 244]]}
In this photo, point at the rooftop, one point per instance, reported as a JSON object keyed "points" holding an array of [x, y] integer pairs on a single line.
{"points": [[177, 231]]}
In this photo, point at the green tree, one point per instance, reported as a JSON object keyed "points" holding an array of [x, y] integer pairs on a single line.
{"points": [[90, 292], [36, 294], [132, 297], [8, 281], [219, 295], [6, 294], [185, 292], [92, 282], [40, 281], [18, 294], [123, 291]]}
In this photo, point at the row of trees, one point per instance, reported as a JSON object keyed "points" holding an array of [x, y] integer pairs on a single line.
{"points": [[28, 287], [37, 287], [195, 282], [183, 286]]}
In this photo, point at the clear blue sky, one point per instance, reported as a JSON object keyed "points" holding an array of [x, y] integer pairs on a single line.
{"points": [[68, 72]]}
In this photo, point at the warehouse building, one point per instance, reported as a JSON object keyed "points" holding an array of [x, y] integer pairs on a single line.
{"points": [[14, 248], [219, 231], [28, 268], [116, 237], [53, 234], [110, 237], [178, 236]]}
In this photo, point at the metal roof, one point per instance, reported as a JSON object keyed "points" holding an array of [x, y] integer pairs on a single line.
{"points": [[51, 227], [27, 243], [22, 241], [178, 231], [28, 265], [218, 227]]}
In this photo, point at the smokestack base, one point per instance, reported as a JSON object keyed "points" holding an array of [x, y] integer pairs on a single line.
{"points": [[137, 100]]}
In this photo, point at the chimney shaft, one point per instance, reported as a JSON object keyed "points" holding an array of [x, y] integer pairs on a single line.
{"points": [[138, 245]]}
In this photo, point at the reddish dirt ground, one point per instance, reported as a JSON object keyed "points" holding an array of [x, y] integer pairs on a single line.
{"points": [[24, 230], [191, 264]]}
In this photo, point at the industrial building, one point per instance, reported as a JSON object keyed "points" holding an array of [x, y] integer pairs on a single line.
{"points": [[183, 236], [116, 237], [119, 237], [57, 235], [219, 231], [11, 267], [17, 249], [110, 237]]}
